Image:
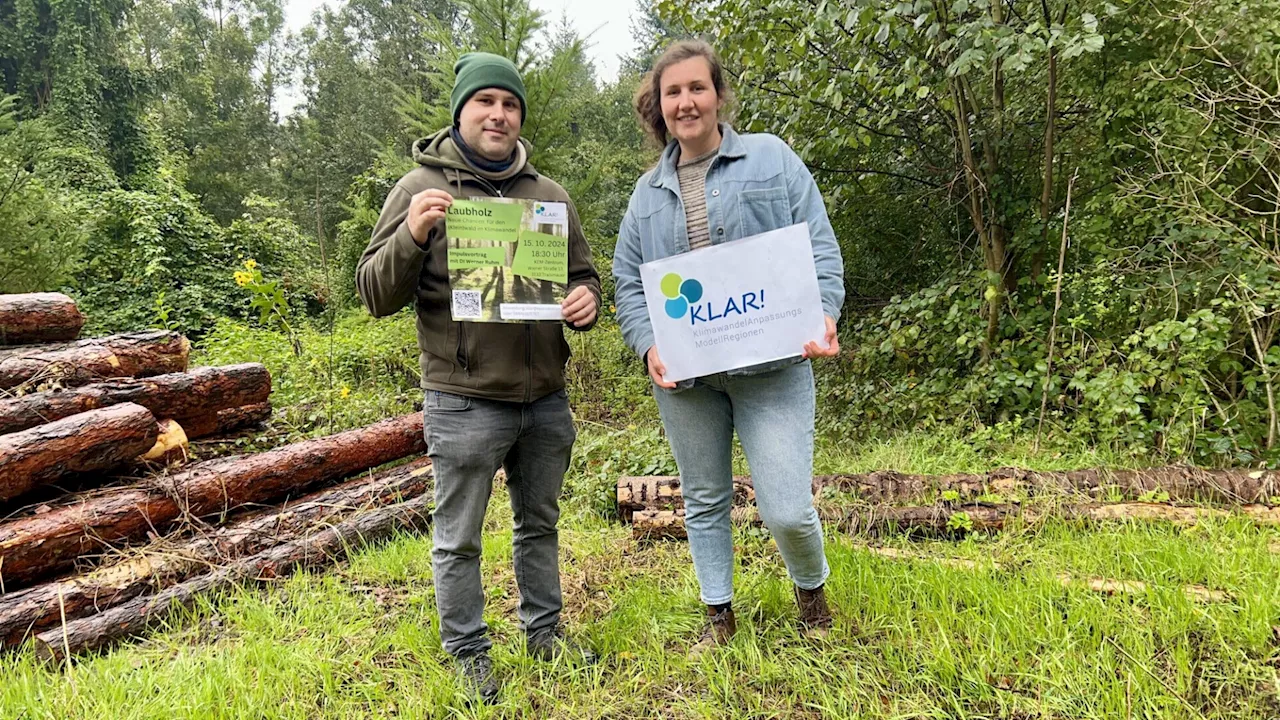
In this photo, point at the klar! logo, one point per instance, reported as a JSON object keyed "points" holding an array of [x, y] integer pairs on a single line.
{"points": [[680, 294], [684, 297]]}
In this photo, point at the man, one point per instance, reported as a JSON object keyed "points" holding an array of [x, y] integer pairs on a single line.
{"points": [[494, 391]]}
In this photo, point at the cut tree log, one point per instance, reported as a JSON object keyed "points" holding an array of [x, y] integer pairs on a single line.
{"points": [[326, 546], [95, 440], [1179, 483], [228, 420], [669, 524], [171, 446], [662, 492], [140, 354], [41, 545], [942, 519], [949, 520], [38, 318], [200, 393], [164, 563]]}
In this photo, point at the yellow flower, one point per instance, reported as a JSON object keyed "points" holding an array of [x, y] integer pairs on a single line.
{"points": [[345, 392], [250, 264], [242, 278]]}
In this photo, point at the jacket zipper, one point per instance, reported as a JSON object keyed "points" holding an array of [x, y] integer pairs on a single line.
{"points": [[463, 359]]}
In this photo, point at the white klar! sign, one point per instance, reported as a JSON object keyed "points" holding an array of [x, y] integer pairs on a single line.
{"points": [[734, 305]]}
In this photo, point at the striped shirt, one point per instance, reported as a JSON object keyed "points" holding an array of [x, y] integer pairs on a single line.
{"points": [[693, 190]]}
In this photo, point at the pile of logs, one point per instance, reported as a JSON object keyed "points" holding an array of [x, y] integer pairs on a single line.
{"points": [[150, 528], [881, 501]]}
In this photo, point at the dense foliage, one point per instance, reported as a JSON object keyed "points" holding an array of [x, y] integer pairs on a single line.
{"points": [[1057, 217]]}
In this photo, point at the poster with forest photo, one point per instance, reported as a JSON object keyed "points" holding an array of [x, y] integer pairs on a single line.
{"points": [[508, 259]]}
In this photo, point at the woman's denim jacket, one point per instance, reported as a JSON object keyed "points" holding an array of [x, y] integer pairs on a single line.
{"points": [[756, 184]]}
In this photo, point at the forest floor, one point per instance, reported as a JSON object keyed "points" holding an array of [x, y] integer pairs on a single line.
{"points": [[976, 628]]}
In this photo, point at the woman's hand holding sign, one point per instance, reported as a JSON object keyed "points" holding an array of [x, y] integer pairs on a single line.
{"points": [[425, 210], [813, 350], [657, 369]]}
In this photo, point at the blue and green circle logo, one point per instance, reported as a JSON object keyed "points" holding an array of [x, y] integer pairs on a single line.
{"points": [[680, 293]]}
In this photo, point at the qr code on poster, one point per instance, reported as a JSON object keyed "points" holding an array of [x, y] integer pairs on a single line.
{"points": [[466, 305]]}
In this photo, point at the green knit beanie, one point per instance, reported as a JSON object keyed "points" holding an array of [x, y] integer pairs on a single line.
{"points": [[476, 71]]}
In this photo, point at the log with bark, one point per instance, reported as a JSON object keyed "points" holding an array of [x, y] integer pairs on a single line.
{"points": [[42, 545], [945, 519], [140, 354], [180, 396], [89, 441], [228, 420], [38, 318], [662, 492], [669, 524], [1180, 483], [164, 563], [323, 547]]}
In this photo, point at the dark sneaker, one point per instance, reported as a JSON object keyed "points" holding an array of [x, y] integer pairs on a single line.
{"points": [[552, 643], [815, 616], [477, 675], [718, 631]]}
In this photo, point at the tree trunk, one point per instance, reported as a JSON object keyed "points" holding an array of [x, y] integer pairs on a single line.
{"points": [[164, 563], [38, 317], [946, 520], [41, 545], [669, 524], [656, 492], [950, 520], [180, 396], [324, 547], [95, 440], [228, 420], [1180, 483], [140, 354]]}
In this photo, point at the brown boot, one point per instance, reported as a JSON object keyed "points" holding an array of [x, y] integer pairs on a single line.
{"points": [[719, 629], [815, 616]]}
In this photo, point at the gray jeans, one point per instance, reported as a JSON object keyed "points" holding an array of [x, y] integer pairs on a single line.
{"points": [[468, 439]]}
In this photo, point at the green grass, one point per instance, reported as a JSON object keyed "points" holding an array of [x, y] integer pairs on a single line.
{"points": [[915, 638]]}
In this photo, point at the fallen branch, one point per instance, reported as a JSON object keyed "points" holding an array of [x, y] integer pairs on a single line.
{"points": [[323, 547], [41, 545], [165, 563]]}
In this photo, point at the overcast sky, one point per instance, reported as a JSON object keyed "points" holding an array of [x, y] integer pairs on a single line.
{"points": [[607, 22]]}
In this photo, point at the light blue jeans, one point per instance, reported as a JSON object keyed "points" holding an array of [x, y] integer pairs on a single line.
{"points": [[773, 415]]}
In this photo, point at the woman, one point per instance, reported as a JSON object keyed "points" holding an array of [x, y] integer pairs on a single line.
{"points": [[712, 186]]}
